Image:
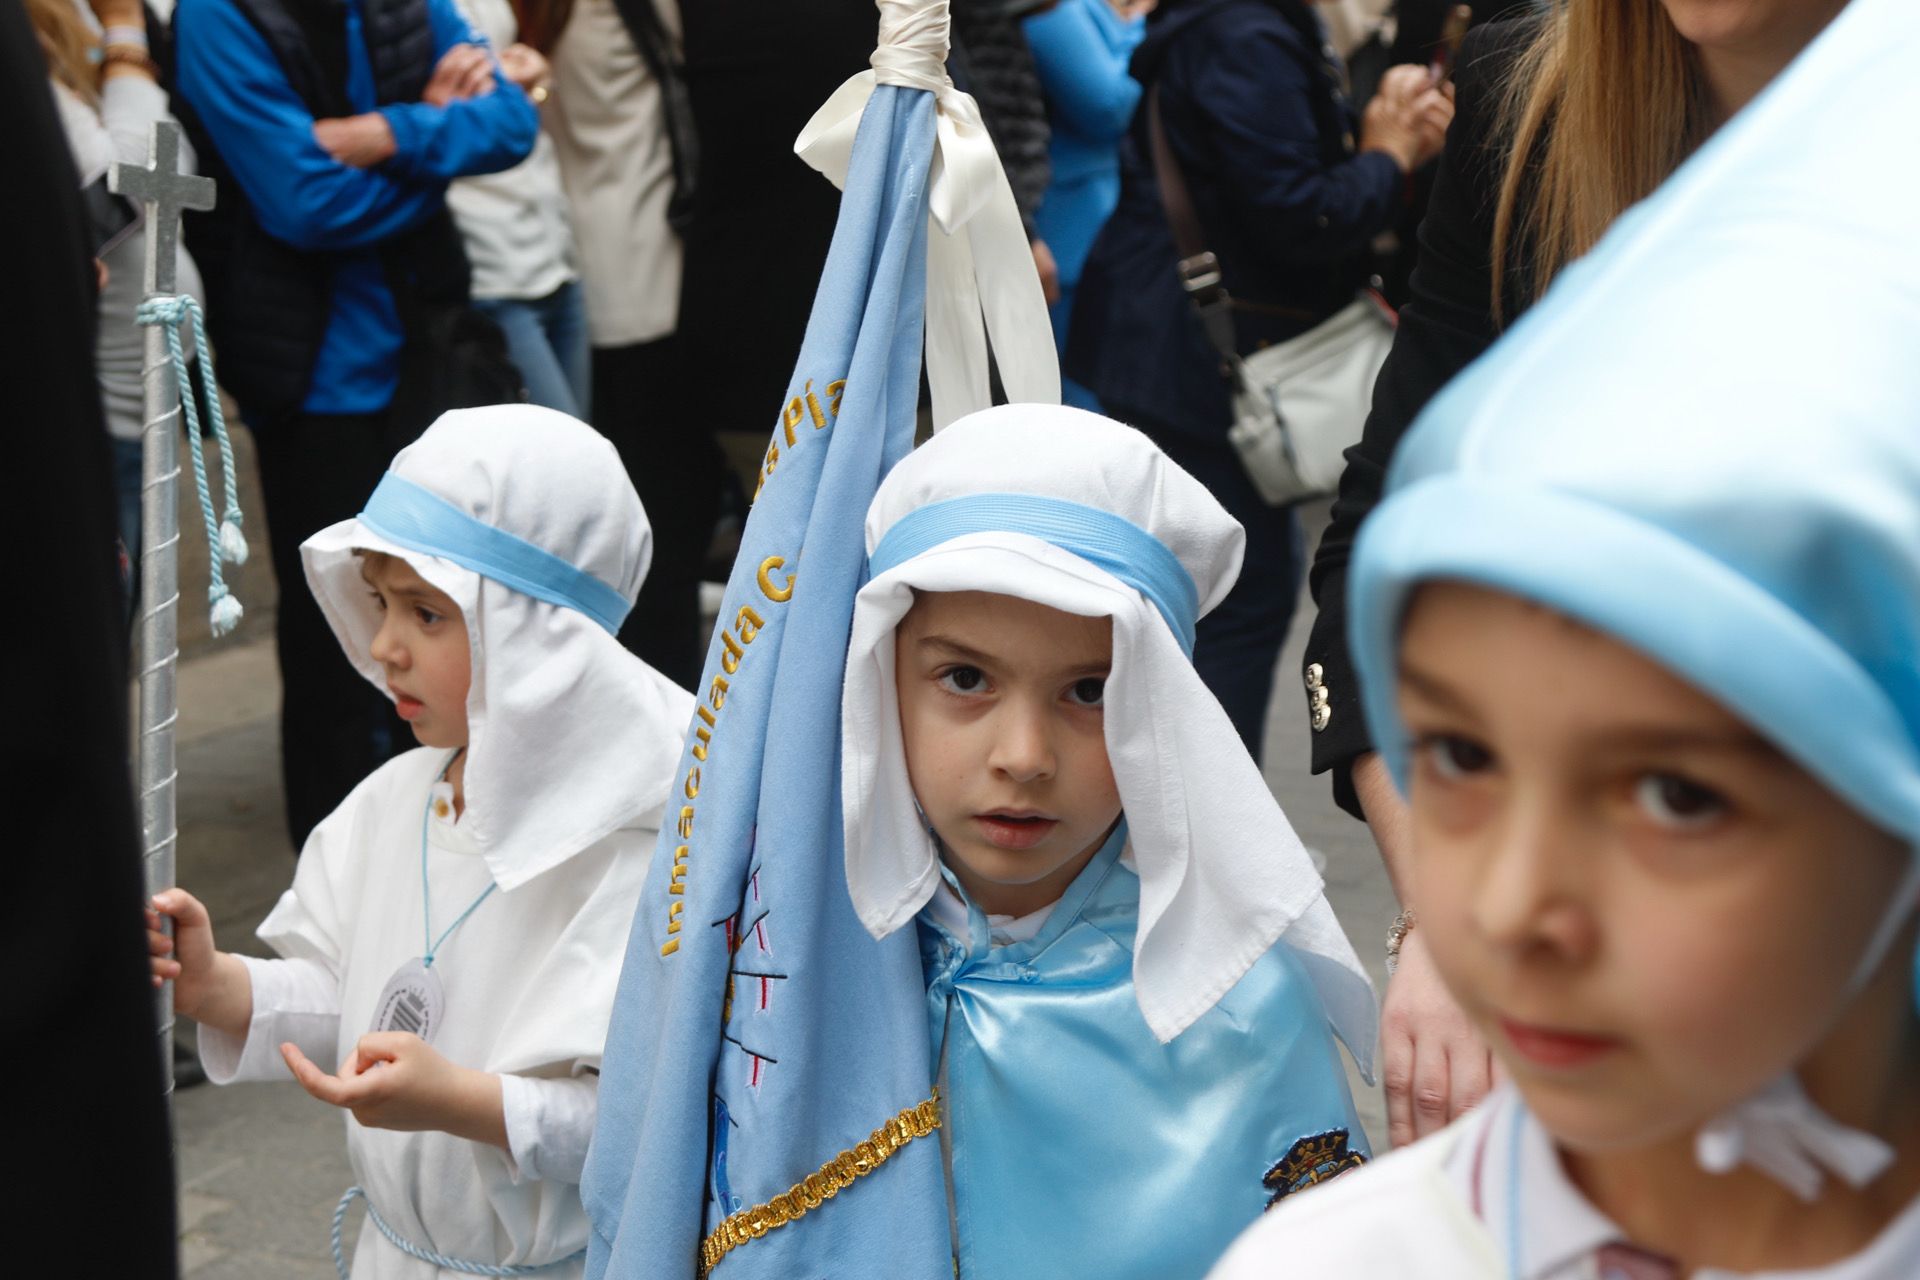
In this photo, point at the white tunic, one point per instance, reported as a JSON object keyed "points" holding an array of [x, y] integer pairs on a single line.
{"points": [[1438, 1210], [529, 981]]}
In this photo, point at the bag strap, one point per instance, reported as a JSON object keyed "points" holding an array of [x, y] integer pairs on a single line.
{"points": [[660, 52], [1199, 268]]}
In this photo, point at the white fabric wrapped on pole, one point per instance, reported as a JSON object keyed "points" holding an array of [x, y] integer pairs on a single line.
{"points": [[983, 290]]}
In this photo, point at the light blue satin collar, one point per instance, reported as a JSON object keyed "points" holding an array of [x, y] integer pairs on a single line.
{"points": [[420, 520], [975, 948], [1118, 546]]}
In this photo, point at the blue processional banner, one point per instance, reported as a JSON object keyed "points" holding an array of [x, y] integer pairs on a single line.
{"points": [[765, 1097]]}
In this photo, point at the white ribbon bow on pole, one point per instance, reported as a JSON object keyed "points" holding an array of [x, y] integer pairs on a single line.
{"points": [[983, 290]]}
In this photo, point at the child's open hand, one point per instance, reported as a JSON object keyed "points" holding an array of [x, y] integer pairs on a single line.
{"points": [[396, 1080]]}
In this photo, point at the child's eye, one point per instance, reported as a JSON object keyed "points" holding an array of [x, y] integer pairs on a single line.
{"points": [[962, 679], [1453, 759], [1087, 692], [427, 616], [1677, 803], [379, 601]]}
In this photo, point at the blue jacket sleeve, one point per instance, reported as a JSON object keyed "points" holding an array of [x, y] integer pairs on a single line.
{"points": [[1083, 72], [264, 132], [1255, 92], [475, 135]]}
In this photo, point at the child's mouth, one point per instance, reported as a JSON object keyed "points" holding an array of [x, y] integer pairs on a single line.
{"points": [[1013, 830], [407, 708], [1554, 1049]]}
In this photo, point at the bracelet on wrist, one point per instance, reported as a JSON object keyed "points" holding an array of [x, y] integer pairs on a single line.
{"points": [[1396, 934], [136, 36], [130, 55]]}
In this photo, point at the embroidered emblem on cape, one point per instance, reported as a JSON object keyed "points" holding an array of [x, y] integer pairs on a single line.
{"points": [[1309, 1162]]}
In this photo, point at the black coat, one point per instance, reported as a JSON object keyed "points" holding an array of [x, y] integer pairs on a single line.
{"points": [[1255, 111], [1443, 328], [84, 1070]]}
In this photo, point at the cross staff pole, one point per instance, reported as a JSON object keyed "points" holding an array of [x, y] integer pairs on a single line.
{"points": [[164, 192]]}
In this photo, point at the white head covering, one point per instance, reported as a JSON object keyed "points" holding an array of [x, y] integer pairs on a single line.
{"points": [[1222, 875], [570, 737]]}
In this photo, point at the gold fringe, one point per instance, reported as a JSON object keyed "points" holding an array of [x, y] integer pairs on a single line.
{"points": [[833, 1177]]}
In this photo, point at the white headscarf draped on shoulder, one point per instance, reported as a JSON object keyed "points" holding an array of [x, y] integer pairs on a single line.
{"points": [[526, 518], [1070, 510]]}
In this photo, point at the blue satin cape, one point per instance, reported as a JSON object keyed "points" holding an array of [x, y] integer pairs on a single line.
{"points": [[1081, 1146]]}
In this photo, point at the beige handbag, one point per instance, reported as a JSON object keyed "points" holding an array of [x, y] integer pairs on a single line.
{"points": [[1297, 406], [1300, 405]]}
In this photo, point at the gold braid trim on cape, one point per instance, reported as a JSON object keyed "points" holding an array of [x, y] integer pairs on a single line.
{"points": [[833, 1177]]}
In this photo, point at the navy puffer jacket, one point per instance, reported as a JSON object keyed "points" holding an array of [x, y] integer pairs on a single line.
{"points": [[1255, 108]]}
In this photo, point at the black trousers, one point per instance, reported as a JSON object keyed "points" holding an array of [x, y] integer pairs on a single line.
{"points": [[641, 404], [335, 728], [1238, 644]]}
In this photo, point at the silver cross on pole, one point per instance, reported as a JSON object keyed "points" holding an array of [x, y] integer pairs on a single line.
{"points": [[165, 192]]}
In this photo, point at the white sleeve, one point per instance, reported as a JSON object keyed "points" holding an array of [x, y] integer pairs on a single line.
{"points": [[297, 1000], [548, 1123], [129, 107]]}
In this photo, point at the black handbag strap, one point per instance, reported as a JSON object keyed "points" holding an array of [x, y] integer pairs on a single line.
{"points": [[1199, 269], [658, 50]]}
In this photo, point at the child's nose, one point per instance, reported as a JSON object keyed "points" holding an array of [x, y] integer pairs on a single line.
{"points": [[1524, 896], [1023, 746], [386, 648]]}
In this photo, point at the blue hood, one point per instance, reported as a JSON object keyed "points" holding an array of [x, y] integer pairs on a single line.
{"points": [[1706, 440]]}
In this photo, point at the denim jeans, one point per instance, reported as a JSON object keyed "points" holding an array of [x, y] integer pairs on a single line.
{"points": [[547, 338]]}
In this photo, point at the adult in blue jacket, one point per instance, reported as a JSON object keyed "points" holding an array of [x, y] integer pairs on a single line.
{"points": [[334, 127], [1290, 186], [1081, 49]]}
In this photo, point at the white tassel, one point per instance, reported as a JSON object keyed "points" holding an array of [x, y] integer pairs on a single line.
{"points": [[233, 543], [225, 615]]}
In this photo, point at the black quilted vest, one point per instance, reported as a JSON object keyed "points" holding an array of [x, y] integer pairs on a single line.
{"points": [[267, 301]]}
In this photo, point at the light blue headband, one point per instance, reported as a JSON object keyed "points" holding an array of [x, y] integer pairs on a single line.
{"points": [[404, 513], [1119, 546]]}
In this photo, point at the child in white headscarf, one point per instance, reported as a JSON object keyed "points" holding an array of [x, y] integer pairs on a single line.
{"points": [[1638, 628], [1133, 976], [452, 937]]}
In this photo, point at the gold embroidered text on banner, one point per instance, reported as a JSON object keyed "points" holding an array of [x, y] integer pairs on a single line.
{"points": [[833, 1177]]}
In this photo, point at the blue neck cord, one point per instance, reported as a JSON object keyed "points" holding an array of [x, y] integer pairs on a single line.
{"points": [[426, 893], [1515, 1264]]}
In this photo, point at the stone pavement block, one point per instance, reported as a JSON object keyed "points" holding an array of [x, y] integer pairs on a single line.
{"points": [[262, 1264], [261, 1168]]}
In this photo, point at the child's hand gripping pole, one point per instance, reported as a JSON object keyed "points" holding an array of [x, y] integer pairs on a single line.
{"points": [[209, 986]]}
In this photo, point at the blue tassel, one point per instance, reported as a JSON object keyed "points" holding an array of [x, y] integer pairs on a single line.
{"points": [[233, 543], [225, 614]]}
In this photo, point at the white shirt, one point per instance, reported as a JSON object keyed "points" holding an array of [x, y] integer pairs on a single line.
{"points": [[529, 981], [609, 132], [515, 224], [947, 909], [1438, 1210], [118, 130]]}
